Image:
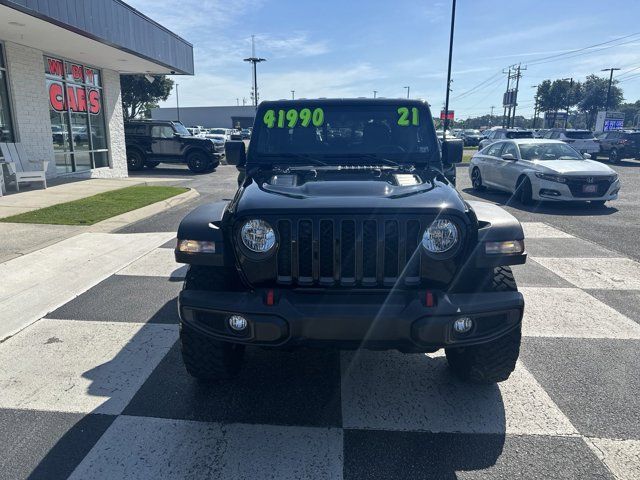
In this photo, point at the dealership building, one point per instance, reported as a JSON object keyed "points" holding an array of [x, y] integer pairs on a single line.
{"points": [[60, 67]]}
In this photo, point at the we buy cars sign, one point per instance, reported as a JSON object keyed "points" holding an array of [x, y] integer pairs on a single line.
{"points": [[75, 97], [446, 115]]}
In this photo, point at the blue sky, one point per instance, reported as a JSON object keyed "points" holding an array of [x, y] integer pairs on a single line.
{"points": [[350, 48]]}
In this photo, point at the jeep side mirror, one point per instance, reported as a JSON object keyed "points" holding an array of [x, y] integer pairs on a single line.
{"points": [[235, 152], [509, 156], [452, 151]]}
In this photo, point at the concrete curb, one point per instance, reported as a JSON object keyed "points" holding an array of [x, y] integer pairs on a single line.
{"points": [[115, 223]]}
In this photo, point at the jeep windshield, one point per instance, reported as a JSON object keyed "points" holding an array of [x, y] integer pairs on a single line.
{"points": [[368, 134]]}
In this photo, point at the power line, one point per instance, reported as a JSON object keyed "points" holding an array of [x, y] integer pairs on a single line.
{"points": [[471, 90], [536, 60]]}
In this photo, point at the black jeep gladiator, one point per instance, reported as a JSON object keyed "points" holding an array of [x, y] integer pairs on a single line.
{"points": [[345, 233]]}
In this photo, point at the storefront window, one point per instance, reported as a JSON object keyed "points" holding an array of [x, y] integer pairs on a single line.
{"points": [[6, 127], [77, 117]]}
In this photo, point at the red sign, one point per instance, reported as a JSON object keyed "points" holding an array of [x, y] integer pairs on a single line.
{"points": [[449, 115], [77, 98]]}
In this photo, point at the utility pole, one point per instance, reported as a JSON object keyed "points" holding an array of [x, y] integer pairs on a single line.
{"points": [[237, 101], [375, 92], [293, 94], [408, 88], [504, 113], [515, 99], [446, 102], [535, 106], [178, 101], [611, 70], [491, 116], [566, 120], [254, 60], [244, 101]]}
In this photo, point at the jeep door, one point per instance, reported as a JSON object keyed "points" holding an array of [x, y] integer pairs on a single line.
{"points": [[164, 144]]}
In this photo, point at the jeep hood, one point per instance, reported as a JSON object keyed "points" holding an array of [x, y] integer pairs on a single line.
{"points": [[341, 195]]}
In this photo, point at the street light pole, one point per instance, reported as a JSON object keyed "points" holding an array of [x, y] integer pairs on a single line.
{"points": [[178, 101], [375, 92], [293, 94], [446, 102], [254, 60], [408, 88], [566, 119], [535, 106], [610, 70]]}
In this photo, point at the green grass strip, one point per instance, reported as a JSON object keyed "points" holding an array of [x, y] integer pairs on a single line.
{"points": [[96, 208]]}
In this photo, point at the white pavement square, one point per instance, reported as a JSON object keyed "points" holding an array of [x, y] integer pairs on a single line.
{"points": [[596, 273], [154, 449], [160, 262], [39, 282], [75, 366], [394, 391], [621, 456], [542, 230], [571, 312]]}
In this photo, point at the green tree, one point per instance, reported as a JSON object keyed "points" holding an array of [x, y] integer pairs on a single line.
{"points": [[630, 111], [139, 95], [557, 95], [594, 97]]}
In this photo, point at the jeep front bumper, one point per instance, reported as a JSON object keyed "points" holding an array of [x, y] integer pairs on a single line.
{"points": [[400, 320]]}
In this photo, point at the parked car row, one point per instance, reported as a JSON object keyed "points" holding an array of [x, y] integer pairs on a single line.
{"points": [[542, 169]]}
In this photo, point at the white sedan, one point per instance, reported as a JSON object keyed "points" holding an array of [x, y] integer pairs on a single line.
{"points": [[539, 169]]}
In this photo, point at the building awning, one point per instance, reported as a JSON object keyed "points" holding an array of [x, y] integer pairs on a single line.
{"points": [[105, 33]]}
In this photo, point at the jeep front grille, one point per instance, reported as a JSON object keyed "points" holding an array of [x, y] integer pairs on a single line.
{"points": [[349, 252]]}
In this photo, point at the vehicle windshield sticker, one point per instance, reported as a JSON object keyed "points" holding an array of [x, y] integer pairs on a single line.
{"points": [[404, 114], [293, 117]]}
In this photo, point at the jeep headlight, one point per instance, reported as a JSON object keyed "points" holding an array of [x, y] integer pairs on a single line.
{"points": [[441, 236], [258, 236]]}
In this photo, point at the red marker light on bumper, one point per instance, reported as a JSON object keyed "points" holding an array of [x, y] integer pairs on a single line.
{"points": [[429, 299], [270, 300]]}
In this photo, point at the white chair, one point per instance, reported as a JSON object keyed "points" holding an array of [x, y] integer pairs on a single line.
{"points": [[16, 159]]}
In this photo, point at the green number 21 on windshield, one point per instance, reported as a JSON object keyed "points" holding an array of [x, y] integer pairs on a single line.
{"points": [[292, 117], [405, 113]]}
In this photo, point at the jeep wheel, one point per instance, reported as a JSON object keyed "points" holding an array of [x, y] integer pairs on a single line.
{"points": [[493, 361], [524, 191], [207, 359], [476, 180], [135, 160], [151, 164], [197, 162], [613, 156]]}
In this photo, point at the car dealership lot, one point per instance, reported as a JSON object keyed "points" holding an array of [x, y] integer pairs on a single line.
{"points": [[97, 388]]}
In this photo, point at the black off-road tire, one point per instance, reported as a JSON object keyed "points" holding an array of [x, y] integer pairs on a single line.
{"points": [[493, 361], [135, 160], [198, 162], [207, 359]]}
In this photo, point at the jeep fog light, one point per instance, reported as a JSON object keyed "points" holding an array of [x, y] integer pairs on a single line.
{"points": [[462, 325], [196, 246], [506, 248], [237, 322], [442, 235]]}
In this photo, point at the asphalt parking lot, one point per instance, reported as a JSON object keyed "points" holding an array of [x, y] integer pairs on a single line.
{"points": [[97, 388]]}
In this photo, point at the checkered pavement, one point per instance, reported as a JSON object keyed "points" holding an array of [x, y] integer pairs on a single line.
{"points": [[97, 390]]}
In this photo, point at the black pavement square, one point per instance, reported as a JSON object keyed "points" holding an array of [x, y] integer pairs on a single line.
{"points": [[595, 382], [532, 274], [278, 388], [122, 298], [566, 247], [378, 454], [627, 302], [46, 445]]}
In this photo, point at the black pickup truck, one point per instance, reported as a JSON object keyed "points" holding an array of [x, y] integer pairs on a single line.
{"points": [[151, 142], [345, 233]]}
